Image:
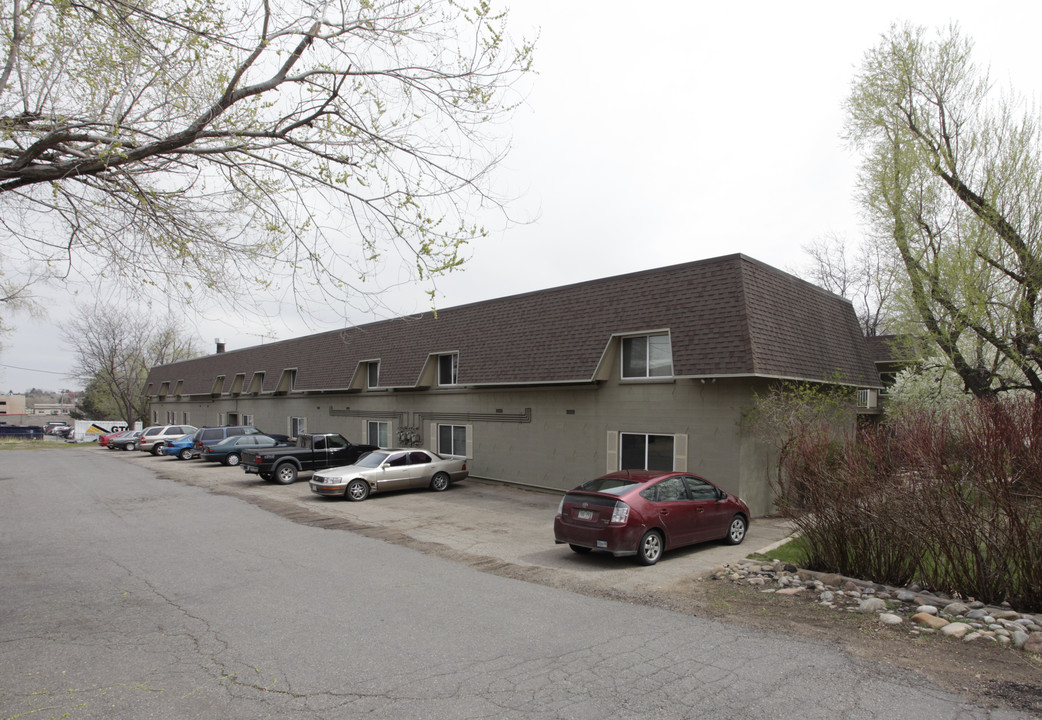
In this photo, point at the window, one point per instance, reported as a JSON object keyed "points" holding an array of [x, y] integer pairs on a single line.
{"points": [[669, 490], [699, 489], [171, 417], [297, 426], [247, 419], [448, 369], [155, 417], [373, 374], [379, 433], [647, 356], [452, 440], [184, 419], [645, 452]]}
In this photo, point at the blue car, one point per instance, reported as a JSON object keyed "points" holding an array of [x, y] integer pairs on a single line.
{"points": [[180, 447]]}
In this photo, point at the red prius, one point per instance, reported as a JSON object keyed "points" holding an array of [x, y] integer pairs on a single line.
{"points": [[646, 512]]}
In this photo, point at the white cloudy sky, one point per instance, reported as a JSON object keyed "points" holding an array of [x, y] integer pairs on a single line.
{"points": [[655, 134]]}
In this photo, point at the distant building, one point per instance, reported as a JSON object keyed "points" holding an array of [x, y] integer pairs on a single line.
{"points": [[12, 405], [652, 369]]}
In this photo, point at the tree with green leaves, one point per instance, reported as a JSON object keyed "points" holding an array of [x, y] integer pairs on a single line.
{"points": [[952, 177], [113, 358], [224, 149]]}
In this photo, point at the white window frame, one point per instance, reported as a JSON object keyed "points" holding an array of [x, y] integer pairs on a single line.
{"points": [[372, 368], [468, 439], [650, 340], [246, 419], [678, 461], [297, 426], [383, 429], [452, 358]]}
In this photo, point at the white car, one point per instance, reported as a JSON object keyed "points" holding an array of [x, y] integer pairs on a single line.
{"points": [[395, 469]]}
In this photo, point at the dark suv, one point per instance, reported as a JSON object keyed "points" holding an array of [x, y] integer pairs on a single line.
{"points": [[210, 435]]}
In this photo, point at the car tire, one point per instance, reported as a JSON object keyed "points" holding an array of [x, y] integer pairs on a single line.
{"points": [[285, 474], [579, 549], [157, 448], [440, 482], [650, 548], [736, 530], [232, 459], [185, 454], [357, 490], [130, 446]]}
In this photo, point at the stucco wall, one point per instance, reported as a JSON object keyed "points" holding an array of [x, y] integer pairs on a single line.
{"points": [[544, 437]]}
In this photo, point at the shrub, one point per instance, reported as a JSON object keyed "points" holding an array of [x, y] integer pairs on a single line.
{"points": [[951, 498]]}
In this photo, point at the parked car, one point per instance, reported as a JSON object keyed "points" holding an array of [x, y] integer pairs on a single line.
{"points": [[180, 448], [103, 440], [50, 428], [125, 441], [210, 435], [646, 512], [396, 469], [312, 451], [229, 450], [153, 438]]}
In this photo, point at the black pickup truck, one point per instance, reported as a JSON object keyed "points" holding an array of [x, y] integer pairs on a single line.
{"points": [[312, 452]]}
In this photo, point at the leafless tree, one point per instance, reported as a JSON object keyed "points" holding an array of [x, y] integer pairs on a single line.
{"points": [[114, 355], [867, 275]]}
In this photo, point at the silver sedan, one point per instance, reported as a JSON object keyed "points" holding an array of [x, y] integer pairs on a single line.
{"points": [[395, 469]]}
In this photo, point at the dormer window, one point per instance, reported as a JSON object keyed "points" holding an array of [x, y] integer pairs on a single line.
{"points": [[448, 369], [647, 356], [373, 374]]}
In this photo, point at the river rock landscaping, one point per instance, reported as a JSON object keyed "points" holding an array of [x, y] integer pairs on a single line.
{"points": [[919, 611]]}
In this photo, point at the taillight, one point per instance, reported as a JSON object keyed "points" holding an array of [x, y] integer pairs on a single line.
{"points": [[620, 514]]}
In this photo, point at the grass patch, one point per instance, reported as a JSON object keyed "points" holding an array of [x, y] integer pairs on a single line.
{"points": [[793, 552], [13, 444]]}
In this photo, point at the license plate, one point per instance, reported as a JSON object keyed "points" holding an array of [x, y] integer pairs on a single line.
{"points": [[584, 514]]}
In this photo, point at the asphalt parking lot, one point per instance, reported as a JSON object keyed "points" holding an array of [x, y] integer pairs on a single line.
{"points": [[491, 526]]}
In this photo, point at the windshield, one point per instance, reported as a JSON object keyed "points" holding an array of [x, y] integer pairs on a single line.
{"points": [[371, 459], [612, 486]]}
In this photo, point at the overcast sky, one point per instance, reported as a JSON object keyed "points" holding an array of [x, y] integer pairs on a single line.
{"points": [[654, 135]]}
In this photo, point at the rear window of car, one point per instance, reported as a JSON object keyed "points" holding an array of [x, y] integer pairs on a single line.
{"points": [[612, 486]]}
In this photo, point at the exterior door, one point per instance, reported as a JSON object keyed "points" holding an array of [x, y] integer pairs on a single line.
{"points": [[677, 514], [395, 473], [711, 515]]}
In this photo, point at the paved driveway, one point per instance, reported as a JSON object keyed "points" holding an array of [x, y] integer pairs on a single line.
{"points": [[497, 527]]}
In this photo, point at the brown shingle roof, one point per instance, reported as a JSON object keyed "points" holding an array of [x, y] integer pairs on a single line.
{"points": [[727, 316]]}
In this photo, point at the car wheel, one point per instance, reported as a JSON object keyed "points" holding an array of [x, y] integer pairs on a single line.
{"points": [[157, 448], [185, 454], [579, 549], [357, 490], [440, 482], [232, 459], [285, 474], [650, 549], [736, 530], [130, 446]]}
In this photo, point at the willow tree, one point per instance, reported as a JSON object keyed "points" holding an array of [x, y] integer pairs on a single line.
{"points": [[224, 148], [951, 175]]}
